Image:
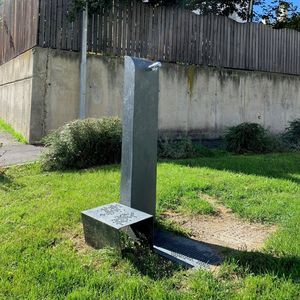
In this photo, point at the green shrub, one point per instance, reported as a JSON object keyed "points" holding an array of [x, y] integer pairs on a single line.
{"points": [[175, 149], [248, 138], [83, 144], [180, 148], [291, 135]]}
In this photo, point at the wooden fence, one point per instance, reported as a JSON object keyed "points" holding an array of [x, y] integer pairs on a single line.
{"points": [[55, 27], [18, 27], [170, 34]]}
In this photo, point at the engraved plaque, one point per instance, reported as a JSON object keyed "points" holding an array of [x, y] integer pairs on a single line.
{"points": [[117, 215]]}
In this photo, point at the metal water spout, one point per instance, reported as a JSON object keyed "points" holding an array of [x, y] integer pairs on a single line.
{"points": [[155, 66]]}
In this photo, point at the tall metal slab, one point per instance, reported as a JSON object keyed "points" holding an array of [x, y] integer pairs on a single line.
{"points": [[140, 131]]}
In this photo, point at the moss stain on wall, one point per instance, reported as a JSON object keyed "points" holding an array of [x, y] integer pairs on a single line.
{"points": [[191, 72]]}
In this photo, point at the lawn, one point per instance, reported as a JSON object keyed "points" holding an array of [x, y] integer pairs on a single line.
{"points": [[7, 128], [42, 255]]}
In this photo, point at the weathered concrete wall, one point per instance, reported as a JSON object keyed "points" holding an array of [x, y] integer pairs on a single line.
{"points": [[196, 100], [15, 92]]}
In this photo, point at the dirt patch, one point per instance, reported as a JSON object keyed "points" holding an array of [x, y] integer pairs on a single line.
{"points": [[79, 243], [224, 228], [76, 237]]}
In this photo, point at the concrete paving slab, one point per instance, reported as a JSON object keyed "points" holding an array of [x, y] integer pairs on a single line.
{"points": [[13, 152], [19, 154]]}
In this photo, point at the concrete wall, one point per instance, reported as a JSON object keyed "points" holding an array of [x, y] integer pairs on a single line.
{"points": [[15, 92], [200, 101]]}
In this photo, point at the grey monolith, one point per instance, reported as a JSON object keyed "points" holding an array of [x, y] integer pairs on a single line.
{"points": [[140, 132]]}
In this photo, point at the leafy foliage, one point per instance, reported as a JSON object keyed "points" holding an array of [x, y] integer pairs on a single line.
{"points": [[270, 9], [175, 149], [247, 138], [222, 7], [291, 23], [180, 148], [292, 134], [225, 7], [84, 143]]}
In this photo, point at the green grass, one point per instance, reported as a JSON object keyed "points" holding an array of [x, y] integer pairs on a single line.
{"points": [[18, 136], [42, 254]]}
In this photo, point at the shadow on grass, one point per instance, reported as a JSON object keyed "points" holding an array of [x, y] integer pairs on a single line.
{"points": [[150, 264], [94, 169], [269, 165], [258, 263], [7, 184]]}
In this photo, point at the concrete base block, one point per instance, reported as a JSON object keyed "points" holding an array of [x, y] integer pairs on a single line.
{"points": [[110, 225]]}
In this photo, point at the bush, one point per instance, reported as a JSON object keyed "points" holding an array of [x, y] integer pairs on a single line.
{"points": [[291, 135], [180, 148], [248, 138], [175, 149], [83, 144]]}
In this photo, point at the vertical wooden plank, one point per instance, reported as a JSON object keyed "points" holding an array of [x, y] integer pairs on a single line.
{"points": [[163, 34], [225, 42], [297, 47], [142, 31], [292, 54], [146, 31], [250, 45], [197, 39], [104, 32], [275, 45], [114, 28], [53, 24], [90, 32], [63, 25], [176, 34], [59, 24], [210, 40], [133, 29], [201, 40], [273, 49], [230, 43], [95, 33], [124, 29], [48, 27], [121, 12], [283, 50], [190, 38], [100, 31], [185, 39], [216, 39], [182, 37], [69, 29], [110, 30], [78, 24], [128, 29], [170, 36], [137, 30], [153, 32]]}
